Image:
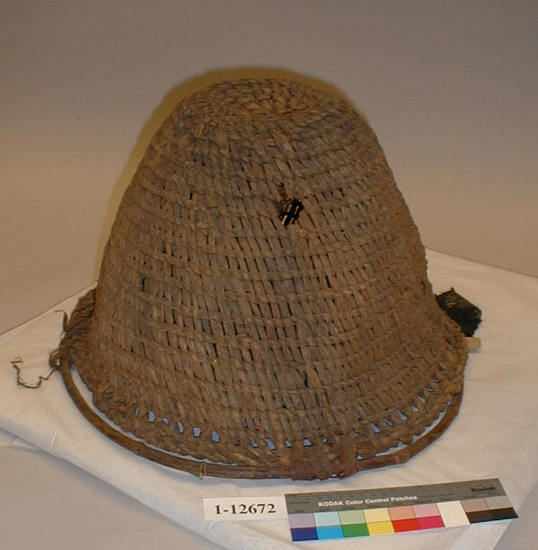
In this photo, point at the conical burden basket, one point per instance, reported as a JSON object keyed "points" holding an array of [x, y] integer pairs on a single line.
{"points": [[263, 308]]}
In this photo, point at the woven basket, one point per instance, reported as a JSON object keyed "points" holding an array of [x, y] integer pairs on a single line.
{"points": [[262, 309]]}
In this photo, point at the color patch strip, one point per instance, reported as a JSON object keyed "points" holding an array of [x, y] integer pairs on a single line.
{"points": [[398, 519], [322, 516]]}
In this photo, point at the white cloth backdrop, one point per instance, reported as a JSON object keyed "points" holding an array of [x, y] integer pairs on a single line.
{"points": [[495, 434]]}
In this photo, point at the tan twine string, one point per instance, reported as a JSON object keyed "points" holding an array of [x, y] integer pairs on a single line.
{"points": [[54, 363], [17, 364]]}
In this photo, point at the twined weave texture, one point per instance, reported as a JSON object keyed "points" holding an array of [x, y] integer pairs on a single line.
{"points": [[254, 349]]}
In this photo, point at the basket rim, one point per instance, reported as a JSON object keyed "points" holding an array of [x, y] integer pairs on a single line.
{"points": [[202, 468]]}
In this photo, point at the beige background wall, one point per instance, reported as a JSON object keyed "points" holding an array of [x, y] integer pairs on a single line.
{"points": [[449, 87]]}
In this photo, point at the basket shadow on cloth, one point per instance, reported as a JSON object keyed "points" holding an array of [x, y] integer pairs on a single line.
{"points": [[221, 341]]}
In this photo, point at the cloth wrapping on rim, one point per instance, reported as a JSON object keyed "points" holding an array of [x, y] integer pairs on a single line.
{"points": [[495, 434]]}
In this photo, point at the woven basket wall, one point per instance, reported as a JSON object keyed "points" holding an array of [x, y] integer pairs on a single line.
{"points": [[220, 340]]}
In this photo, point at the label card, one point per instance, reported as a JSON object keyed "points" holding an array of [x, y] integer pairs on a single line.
{"points": [[245, 508]]}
